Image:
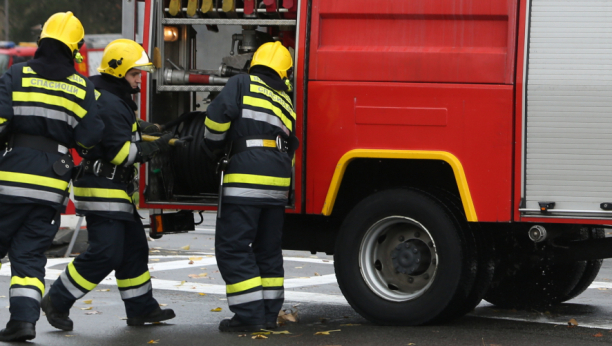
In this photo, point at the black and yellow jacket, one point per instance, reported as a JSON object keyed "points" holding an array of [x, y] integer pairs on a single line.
{"points": [[248, 108], [62, 109], [119, 146]]}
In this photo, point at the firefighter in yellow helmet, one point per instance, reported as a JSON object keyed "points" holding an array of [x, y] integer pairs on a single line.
{"points": [[254, 116], [103, 193], [46, 108]]}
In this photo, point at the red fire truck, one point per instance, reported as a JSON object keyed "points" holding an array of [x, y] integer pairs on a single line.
{"points": [[451, 151]]}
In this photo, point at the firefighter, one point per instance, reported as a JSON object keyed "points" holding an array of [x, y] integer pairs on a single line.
{"points": [[103, 193], [46, 107], [254, 116]]}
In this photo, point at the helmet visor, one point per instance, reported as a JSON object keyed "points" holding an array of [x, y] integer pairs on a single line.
{"points": [[146, 68]]}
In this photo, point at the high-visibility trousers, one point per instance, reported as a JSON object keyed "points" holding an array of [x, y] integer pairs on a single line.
{"points": [[26, 232], [248, 246], [113, 245]]}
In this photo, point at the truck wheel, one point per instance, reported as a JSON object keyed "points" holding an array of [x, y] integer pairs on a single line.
{"points": [[590, 271], [402, 259]]}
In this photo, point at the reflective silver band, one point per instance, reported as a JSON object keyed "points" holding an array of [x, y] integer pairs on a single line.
{"points": [[62, 149], [254, 193], [25, 292], [244, 298], [104, 206], [31, 193], [135, 137], [45, 113], [136, 292], [214, 136], [76, 293], [132, 155], [273, 294], [265, 117]]}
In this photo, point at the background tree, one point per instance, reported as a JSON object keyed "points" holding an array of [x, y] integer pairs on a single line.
{"points": [[98, 17]]}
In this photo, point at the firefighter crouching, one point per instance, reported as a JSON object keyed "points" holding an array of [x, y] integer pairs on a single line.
{"points": [[46, 107], [117, 239], [254, 116]]}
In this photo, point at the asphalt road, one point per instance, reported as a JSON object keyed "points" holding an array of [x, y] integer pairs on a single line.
{"points": [[194, 290]]}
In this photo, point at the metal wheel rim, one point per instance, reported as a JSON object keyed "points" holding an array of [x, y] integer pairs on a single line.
{"points": [[386, 282]]}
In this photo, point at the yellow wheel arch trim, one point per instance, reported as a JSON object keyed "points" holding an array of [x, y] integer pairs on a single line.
{"points": [[452, 160]]}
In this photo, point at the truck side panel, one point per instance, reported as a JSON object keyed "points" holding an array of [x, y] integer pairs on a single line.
{"points": [[414, 41], [472, 122]]}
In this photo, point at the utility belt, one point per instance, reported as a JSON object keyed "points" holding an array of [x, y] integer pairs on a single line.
{"points": [[118, 174], [45, 144], [276, 143]]}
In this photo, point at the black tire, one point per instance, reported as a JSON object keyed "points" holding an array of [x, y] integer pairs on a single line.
{"points": [[520, 284], [590, 271], [373, 227]]}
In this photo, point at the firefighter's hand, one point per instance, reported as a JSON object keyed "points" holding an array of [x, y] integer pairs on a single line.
{"points": [[149, 128], [163, 142]]}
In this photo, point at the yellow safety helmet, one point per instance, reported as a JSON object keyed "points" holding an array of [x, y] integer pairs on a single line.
{"points": [[66, 28], [122, 55], [275, 56]]}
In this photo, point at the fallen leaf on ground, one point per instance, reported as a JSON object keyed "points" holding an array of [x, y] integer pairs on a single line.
{"points": [[5, 296], [325, 260], [327, 332], [287, 316], [186, 247], [153, 341], [261, 333], [202, 294], [163, 304], [190, 262], [216, 310], [154, 251], [598, 335], [276, 332], [93, 313], [104, 290], [241, 335], [155, 260], [89, 308], [572, 323], [317, 274], [182, 282], [259, 337], [68, 335], [193, 275], [87, 301], [195, 258]]}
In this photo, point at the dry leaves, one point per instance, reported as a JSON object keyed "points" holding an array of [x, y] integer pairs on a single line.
{"points": [[163, 304], [317, 274], [190, 262], [598, 335], [93, 313], [197, 276], [202, 294], [153, 251], [186, 247], [153, 342], [572, 323], [327, 332], [259, 337], [154, 260], [195, 258], [89, 308], [287, 316], [241, 335], [216, 310], [181, 284], [88, 301]]}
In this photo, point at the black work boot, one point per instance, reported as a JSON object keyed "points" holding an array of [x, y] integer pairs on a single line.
{"points": [[233, 325], [59, 320], [157, 315], [18, 331], [271, 325]]}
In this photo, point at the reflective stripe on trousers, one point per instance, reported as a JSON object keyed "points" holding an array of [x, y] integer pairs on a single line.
{"points": [[136, 292], [254, 193]]}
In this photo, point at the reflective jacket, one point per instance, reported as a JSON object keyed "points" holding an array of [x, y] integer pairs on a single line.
{"points": [[119, 146], [64, 111], [247, 108]]}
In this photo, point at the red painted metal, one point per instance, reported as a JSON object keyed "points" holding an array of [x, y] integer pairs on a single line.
{"points": [[518, 124], [472, 122], [413, 41]]}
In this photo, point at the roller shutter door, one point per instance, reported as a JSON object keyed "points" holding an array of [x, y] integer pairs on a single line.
{"points": [[568, 148]]}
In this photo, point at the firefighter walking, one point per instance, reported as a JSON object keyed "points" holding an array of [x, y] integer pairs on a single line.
{"points": [[46, 107], [103, 193], [254, 117]]}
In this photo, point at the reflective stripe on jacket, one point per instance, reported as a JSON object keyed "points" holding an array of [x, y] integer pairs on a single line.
{"points": [[64, 111], [248, 107]]}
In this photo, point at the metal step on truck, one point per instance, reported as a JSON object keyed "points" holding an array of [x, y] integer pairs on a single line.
{"points": [[452, 151]]}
